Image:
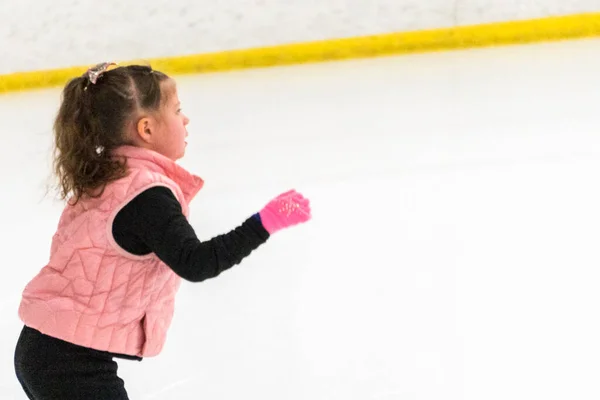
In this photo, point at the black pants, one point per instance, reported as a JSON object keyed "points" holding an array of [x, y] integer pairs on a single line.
{"points": [[52, 369]]}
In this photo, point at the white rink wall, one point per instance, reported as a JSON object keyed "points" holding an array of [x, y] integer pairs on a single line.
{"points": [[41, 35]]}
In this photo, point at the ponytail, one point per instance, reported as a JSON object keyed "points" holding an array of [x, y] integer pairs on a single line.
{"points": [[91, 123]]}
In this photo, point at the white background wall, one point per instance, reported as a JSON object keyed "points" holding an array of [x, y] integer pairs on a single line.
{"points": [[39, 35]]}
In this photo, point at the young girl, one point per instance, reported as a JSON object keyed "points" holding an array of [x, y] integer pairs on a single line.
{"points": [[123, 242]]}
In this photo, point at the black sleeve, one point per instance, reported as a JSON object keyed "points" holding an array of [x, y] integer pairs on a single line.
{"points": [[153, 222]]}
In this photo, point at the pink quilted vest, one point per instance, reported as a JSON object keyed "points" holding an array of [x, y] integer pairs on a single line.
{"points": [[92, 292]]}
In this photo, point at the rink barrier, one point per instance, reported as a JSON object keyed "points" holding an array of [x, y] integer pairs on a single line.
{"points": [[549, 29]]}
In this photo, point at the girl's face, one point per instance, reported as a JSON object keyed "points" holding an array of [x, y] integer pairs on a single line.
{"points": [[171, 131], [164, 131]]}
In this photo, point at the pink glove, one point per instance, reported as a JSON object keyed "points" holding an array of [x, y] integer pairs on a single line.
{"points": [[287, 209]]}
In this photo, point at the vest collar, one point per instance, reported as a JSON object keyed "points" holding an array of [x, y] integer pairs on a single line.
{"points": [[189, 183]]}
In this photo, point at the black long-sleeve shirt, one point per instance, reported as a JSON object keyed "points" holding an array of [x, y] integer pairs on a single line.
{"points": [[154, 222]]}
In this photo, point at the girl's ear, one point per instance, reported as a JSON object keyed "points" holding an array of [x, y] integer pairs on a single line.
{"points": [[145, 129]]}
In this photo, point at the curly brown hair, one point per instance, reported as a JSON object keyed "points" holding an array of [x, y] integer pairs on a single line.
{"points": [[92, 121]]}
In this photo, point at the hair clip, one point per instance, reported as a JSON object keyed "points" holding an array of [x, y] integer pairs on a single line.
{"points": [[93, 73]]}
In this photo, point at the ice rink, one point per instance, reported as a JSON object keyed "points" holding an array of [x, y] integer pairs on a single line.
{"points": [[453, 252]]}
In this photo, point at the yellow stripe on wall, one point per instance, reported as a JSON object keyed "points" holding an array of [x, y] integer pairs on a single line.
{"points": [[464, 37]]}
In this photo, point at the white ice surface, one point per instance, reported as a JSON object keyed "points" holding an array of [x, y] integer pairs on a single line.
{"points": [[453, 252]]}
